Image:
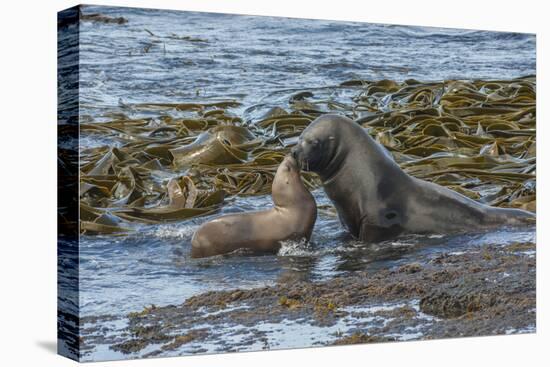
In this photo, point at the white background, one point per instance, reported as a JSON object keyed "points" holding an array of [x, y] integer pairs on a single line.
{"points": [[28, 181]]}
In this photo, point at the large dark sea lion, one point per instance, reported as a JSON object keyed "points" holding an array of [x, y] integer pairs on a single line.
{"points": [[375, 198], [292, 218]]}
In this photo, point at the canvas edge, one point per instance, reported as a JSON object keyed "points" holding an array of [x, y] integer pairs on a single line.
{"points": [[68, 312]]}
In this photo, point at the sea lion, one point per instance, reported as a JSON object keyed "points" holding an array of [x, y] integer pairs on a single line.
{"points": [[292, 218], [375, 199]]}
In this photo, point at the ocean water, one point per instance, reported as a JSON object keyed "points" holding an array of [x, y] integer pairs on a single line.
{"points": [[258, 61], [252, 58]]}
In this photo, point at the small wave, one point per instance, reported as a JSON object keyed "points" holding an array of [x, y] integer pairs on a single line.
{"points": [[426, 32], [401, 244], [526, 330]]}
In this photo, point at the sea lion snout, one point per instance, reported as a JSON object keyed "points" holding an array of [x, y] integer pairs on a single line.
{"points": [[294, 152], [295, 155], [308, 153], [291, 162], [299, 155]]}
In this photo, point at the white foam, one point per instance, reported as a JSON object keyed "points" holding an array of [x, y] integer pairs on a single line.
{"points": [[295, 248], [177, 231]]}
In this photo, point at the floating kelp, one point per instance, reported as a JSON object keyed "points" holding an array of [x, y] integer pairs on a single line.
{"points": [[188, 38], [180, 160], [100, 18], [99, 221], [219, 145], [482, 132]]}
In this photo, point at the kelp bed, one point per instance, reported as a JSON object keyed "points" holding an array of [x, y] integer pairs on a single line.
{"points": [[179, 161]]}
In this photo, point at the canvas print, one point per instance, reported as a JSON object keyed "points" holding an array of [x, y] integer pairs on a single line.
{"points": [[233, 183]]}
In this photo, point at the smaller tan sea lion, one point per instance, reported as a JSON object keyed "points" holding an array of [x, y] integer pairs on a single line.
{"points": [[292, 218]]}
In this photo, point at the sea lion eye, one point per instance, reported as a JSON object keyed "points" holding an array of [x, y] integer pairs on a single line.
{"points": [[313, 142]]}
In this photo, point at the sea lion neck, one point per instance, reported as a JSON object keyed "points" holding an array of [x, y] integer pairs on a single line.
{"points": [[340, 152], [288, 190]]}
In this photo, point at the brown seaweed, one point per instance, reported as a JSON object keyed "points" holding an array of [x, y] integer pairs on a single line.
{"points": [[476, 137]]}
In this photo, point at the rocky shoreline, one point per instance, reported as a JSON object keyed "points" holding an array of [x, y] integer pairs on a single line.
{"points": [[488, 290]]}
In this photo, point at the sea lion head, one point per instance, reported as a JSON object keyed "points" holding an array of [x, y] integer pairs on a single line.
{"points": [[317, 146], [287, 188]]}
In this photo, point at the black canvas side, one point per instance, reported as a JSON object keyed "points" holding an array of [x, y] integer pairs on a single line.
{"points": [[68, 327]]}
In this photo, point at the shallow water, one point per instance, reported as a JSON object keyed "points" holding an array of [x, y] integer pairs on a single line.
{"points": [[258, 61], [153, 266]]}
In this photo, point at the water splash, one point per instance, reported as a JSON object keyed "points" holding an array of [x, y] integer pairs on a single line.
{"points": [[296, 248], [181, 231]]}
